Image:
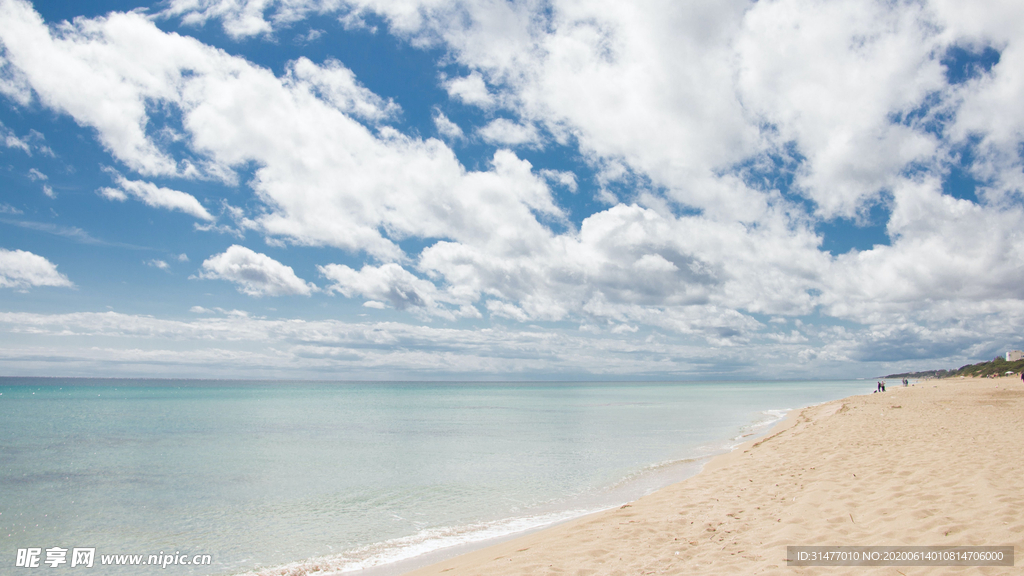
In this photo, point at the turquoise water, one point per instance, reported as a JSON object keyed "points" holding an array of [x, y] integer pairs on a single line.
{"points": [[265, 474]]}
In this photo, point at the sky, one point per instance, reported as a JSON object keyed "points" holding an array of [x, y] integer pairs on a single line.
{"points": [[509, 190]]}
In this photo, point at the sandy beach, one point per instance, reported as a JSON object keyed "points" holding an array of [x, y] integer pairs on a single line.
{"points": [[935, 464]]}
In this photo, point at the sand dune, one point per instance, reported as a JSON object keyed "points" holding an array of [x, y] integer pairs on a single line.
{"points": [[939, 463]]}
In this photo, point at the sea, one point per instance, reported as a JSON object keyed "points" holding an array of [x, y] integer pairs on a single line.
{"points": [[193, 477]]}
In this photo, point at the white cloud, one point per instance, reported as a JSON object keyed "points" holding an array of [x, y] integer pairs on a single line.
{"points": [[36, 175], [505, 132], [625, 329], [157, 197], [469, 90], [695, 116], [155, 263], [563, 178], [987, 107], [255, 274], [13, 84], [239, 345], [634, 264], [829, 77], [22, 270], [27, 144], [338, 85], [312, 36], [948, 257], [109, 91], [324, 178], [682, 92], [446, 127], [11, 140], [639, 82], [506, 310], [113, 194], [239, 18], [399, 287], [242, 18], [48, 191]]}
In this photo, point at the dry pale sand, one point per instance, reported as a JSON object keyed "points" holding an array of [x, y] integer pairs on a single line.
{"points": [[939, 463]]}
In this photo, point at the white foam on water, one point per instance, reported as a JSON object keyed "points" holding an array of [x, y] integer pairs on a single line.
{"points": [[421, 543], [762, 424]]}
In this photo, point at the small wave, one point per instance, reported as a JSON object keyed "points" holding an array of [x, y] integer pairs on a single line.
{"points": [[659, 467], [767, 419], [661, 473], [408, 547]]}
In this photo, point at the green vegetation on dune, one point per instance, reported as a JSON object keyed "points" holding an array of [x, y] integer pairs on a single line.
{"points": [[923, 374], [998, 366]]}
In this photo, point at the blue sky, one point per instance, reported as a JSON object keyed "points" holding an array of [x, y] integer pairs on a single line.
{"points": [[426, 189]]}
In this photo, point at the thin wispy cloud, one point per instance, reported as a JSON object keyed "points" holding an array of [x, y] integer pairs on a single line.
{"points": [[70, 232]]}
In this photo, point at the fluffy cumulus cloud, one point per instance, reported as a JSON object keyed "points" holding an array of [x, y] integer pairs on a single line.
{"points": [[22, 270], [248, 17], [508, 133], [830, 78], [562, 177], [470, 90], [949, 254], [725, 141], [397, 286], [255, 274], [324, 177], [446, 127], [338, 85], [92, 83]]}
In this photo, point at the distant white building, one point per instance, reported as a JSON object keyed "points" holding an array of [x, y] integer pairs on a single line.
{"points": [[1014, 355]]}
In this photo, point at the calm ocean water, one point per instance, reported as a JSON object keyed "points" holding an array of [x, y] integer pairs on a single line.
{"points": [[267, 474]]}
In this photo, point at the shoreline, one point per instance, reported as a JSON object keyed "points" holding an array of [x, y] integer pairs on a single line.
{"points": [[933, 464], [414, 564], [696, 464], [670, 473], [422, 565]]}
